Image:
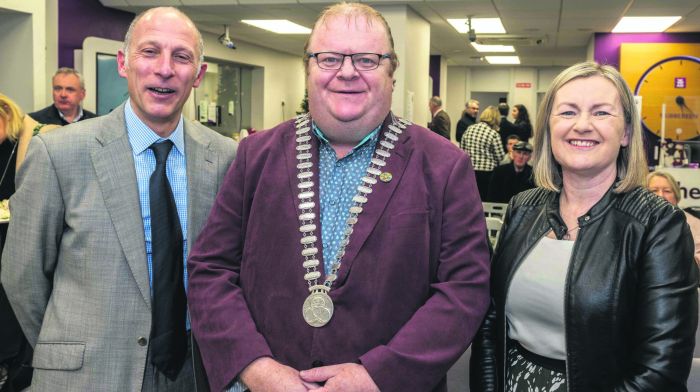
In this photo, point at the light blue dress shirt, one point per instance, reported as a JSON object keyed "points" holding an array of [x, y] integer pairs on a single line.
{"points": [[141, 137]]}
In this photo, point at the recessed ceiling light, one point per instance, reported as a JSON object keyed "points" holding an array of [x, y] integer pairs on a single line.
{"points": [[480, 25], [503, 59], [493, 48], [645, 24], [279, 26]]}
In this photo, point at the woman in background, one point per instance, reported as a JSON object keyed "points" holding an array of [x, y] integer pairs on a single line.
{"points": [[16, 130], [521, 121], [593, 282], [483, 144], [664, 185]]}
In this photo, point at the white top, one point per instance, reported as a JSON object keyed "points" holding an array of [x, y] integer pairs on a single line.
{"points": [[535, 302]]}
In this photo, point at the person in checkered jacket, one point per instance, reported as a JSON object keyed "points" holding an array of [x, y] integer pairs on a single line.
{"points": [[482, 143]]}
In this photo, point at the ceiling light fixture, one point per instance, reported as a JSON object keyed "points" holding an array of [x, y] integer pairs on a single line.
{"points": [[503, 59], [225, 39], [480, 25], [279, 26], [645, 24], [493, 48]]}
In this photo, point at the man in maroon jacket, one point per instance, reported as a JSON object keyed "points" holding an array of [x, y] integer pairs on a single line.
{"points": [[346, 249]]}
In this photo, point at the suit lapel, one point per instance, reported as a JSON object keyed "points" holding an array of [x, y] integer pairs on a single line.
{"points": [[201, 180], [377, 202], [116, 175]]}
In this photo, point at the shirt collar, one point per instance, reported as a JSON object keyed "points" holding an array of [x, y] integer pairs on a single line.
{"points": [[75, 119], [372, 135], [141, 136]]}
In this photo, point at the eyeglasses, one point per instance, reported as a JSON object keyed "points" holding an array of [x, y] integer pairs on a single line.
{"points": [[361, 61]]}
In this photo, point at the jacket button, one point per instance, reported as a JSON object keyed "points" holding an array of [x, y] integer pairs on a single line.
{"points": [[142, 341], [317, 363], [587, 218]]}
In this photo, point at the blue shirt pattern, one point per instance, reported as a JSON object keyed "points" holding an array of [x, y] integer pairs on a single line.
{"points": [[141, 137], [338, 181]]}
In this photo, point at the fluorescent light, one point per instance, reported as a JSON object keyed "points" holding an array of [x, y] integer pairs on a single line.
{"points": [[503, 59], [645, 24], [480, 25], [493, 48], [279, 26]]}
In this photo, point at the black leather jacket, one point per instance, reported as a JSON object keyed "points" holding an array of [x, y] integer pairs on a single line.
{"points": [[631, 306]]}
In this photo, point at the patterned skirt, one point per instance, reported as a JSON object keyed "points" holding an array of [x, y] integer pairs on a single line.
{"points": [[529, 372]]}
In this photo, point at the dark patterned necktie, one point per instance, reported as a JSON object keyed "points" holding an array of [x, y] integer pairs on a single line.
{"points": [[168, 335]]}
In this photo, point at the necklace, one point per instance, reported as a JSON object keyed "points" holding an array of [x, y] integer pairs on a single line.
{"points": [[318, 306], [567, 235]]}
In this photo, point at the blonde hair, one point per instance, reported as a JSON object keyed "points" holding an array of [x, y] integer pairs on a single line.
{"points": [[631, 160], [491, 116], [12, 116], [672, 181], [354, 11]]}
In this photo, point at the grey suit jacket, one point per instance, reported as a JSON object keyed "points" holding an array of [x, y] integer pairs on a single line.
{"points": [[74, 265]]}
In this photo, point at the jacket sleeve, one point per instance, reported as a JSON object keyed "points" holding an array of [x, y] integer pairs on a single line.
{"points": [[419, 355], [667, 308], [31, 250], [227, 344]]}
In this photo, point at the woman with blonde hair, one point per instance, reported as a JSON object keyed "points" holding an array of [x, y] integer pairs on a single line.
{"points": [[664, 185], [588, 294], [483, 144]]}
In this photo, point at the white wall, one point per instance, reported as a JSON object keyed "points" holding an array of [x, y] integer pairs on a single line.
{"points": [[23, 42], [412, 44]]}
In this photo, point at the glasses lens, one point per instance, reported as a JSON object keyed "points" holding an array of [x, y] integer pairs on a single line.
{"points": [[365, 61], [329, 60]]}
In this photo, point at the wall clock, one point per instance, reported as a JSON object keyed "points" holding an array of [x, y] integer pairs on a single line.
{"points": [[674, 81]]}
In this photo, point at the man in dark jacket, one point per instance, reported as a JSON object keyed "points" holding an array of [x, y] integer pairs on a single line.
{"points": [[512, 178], [68, 90], [441, 120], [468, 119]]}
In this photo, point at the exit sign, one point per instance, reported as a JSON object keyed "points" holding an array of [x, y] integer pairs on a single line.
{"points": [[523, 85]]}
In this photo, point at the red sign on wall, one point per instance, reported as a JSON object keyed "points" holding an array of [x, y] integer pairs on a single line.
{"points": [[523, 85]]}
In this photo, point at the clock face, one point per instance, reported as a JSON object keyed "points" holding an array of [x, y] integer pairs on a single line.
{"points": [[674, 81]]}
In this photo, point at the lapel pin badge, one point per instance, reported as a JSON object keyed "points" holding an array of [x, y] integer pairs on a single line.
{"points": [[385, 177]]}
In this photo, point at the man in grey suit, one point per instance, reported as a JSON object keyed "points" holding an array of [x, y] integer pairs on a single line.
{"points": [[80, 263]]}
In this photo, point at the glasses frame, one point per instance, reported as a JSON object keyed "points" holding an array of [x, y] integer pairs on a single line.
{"points": [[352, 60]]}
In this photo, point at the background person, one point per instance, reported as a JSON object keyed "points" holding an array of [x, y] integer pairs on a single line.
{"points": [[103, 217], [68, 90], [482, 143], [664, 185], [594, 287], [440, 123], [471, 110], [520, 126], [512, 178], [511, 141], [393, 325]]}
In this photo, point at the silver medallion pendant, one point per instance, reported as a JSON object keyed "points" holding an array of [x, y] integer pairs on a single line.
{"points": [[318, 309]]}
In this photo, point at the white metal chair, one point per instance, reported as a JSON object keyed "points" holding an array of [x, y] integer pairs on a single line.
{"points": [[493, 227], [496, 210]]}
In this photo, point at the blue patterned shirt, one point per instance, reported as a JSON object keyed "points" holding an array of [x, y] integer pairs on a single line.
{"points": [[141, 137], [338, 181]]}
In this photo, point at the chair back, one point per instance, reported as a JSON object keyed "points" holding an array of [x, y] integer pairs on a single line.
{"points": [[496, 210], [493, 227]]}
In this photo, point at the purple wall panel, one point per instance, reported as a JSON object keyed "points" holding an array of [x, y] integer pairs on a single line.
{"points": [[434, 72], [607, 45], [78, 19]]}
